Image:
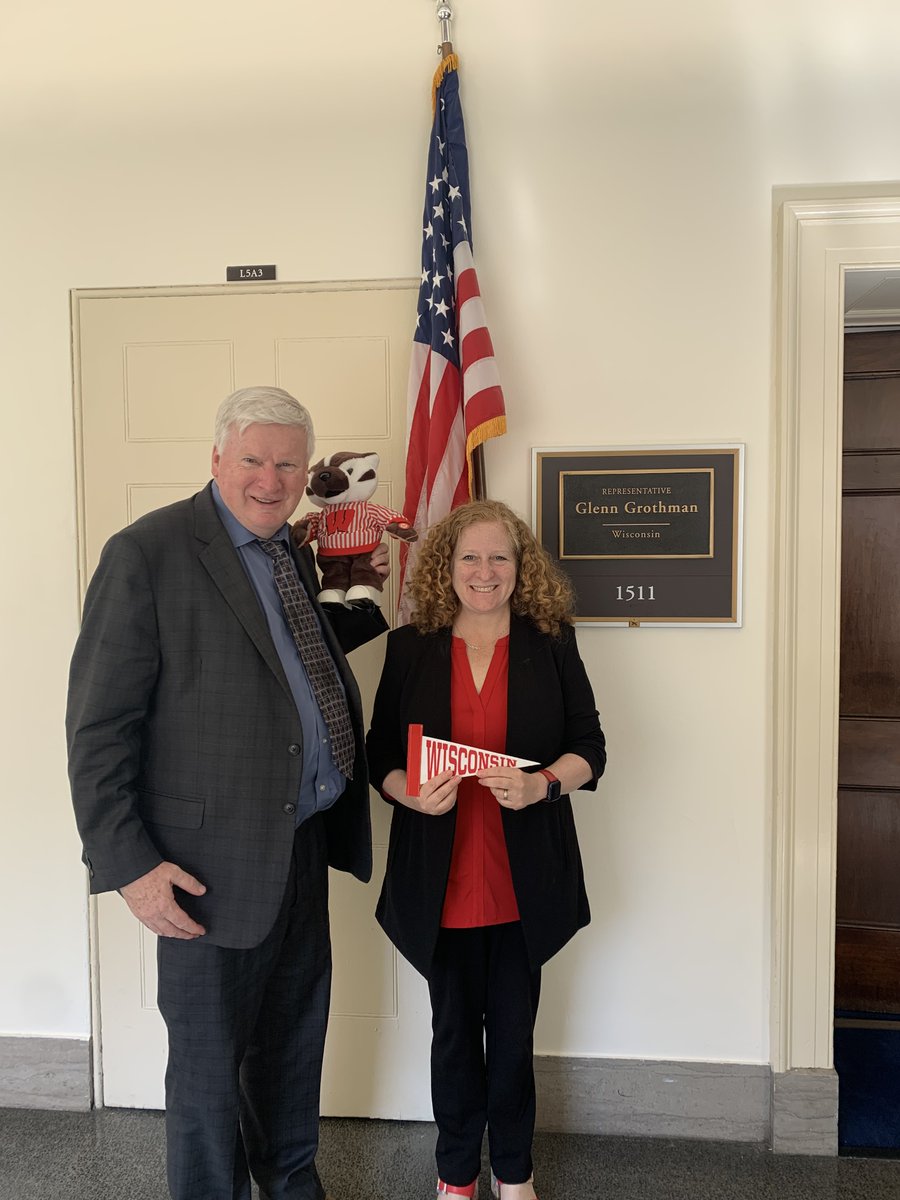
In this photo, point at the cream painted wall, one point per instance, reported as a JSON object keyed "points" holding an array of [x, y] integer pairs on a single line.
{"points": [[623, 161]]}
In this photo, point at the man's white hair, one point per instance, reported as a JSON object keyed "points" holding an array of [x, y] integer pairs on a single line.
{"points": [[261, 406]]}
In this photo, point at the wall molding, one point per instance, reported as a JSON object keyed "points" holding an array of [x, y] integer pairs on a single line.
{"points": [[649, 1098], [873, 318], [45, 1072], [805, 1112], [794, 1112]]}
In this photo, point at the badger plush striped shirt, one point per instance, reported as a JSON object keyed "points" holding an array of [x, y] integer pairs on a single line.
{"points": [[352, 528]]}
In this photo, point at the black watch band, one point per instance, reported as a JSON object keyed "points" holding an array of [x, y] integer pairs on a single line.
{"points": [[554, 787]]}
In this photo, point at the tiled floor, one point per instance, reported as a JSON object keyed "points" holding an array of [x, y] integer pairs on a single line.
{"points": [[119, 1155]]}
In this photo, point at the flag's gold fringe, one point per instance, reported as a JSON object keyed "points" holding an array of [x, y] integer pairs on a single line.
{"points": [[495, 427], [450, 63]]}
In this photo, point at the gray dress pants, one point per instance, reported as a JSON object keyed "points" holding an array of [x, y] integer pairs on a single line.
{"points": [[246, 1037]]}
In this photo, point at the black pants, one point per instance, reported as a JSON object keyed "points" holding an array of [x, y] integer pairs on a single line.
{"points": [[246, 1037], [484, 1001]]}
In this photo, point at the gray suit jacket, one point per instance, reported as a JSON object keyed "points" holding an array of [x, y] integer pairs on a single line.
{"points": [[184, 740]]}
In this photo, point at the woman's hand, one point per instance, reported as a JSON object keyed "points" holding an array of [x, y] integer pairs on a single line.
{"points": [[517, 789], [514, 788], [436, 797]]}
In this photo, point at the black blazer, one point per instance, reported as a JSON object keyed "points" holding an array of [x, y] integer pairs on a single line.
{"points": [[184, 739], [550, 710]]}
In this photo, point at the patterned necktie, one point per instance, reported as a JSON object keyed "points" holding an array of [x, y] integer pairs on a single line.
{"points": [[314, 655]]}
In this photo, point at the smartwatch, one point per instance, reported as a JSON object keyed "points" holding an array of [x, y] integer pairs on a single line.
{"points": [[554, 787]]}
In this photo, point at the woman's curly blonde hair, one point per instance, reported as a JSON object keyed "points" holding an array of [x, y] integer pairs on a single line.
{"points": [[542, 592]]}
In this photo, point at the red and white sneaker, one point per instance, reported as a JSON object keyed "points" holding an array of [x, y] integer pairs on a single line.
{"points": [[470, 1191]]}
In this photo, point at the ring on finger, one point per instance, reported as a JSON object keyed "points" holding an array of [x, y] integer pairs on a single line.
{"points": [[505, 794]]}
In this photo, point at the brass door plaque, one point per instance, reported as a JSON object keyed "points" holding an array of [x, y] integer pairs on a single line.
{"points": [[646, 535]]}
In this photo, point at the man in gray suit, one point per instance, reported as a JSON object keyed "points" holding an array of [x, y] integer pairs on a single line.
{"points": [[213, 788]]}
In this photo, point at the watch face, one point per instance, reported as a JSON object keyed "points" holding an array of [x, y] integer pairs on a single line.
{"points": [[553, 791]]}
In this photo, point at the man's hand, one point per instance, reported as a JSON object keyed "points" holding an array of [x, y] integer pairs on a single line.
{"points": [[381, 560], [152, 901]]}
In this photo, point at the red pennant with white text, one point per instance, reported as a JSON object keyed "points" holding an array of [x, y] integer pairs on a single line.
{"points": [[428, 756]]}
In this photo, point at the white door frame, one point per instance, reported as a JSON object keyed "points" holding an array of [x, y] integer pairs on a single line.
{"points": [[819, 241]]}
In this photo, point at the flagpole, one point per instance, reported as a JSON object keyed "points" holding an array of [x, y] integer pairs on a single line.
{"points": [[454, 398], [445, 16], [445, 49]]}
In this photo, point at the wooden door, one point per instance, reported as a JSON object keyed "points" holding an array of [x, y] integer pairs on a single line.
{"points": [[867, 964], [151, 368]]}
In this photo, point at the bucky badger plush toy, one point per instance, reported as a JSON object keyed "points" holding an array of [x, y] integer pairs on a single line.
{"points": [[349, 527]]}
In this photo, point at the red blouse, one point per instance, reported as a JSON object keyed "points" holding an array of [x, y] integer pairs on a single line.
{"points": [[480, 887]]}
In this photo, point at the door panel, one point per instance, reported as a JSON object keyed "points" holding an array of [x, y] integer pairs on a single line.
{"points": [[881, 471], [870, 421], [151, 371], [869, 961], [869, 750], [869, 837], [870, 586]]}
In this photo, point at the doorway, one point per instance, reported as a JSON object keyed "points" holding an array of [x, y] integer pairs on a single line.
{"points": [[867, 930], [820, 240]]}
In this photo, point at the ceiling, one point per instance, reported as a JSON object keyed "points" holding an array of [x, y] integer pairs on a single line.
{"points": [[871, 298]]}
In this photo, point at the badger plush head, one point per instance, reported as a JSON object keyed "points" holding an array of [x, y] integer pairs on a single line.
{"points": [[339, 478]]}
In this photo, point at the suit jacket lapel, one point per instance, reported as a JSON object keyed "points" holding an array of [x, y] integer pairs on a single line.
{"points": [[220, 560], [443, 667], [521, 686], [432, 700]]}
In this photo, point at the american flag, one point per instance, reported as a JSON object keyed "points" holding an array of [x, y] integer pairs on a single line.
{"points": [[454, 400]]}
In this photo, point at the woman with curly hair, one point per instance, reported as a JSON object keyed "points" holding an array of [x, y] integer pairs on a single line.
{"points": [[484, 880]]}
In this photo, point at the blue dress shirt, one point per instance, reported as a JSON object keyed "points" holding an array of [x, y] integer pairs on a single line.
{"points": [[320, 782]]}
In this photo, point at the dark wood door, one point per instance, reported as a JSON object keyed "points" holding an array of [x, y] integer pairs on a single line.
{"points": [[867, 967]]}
